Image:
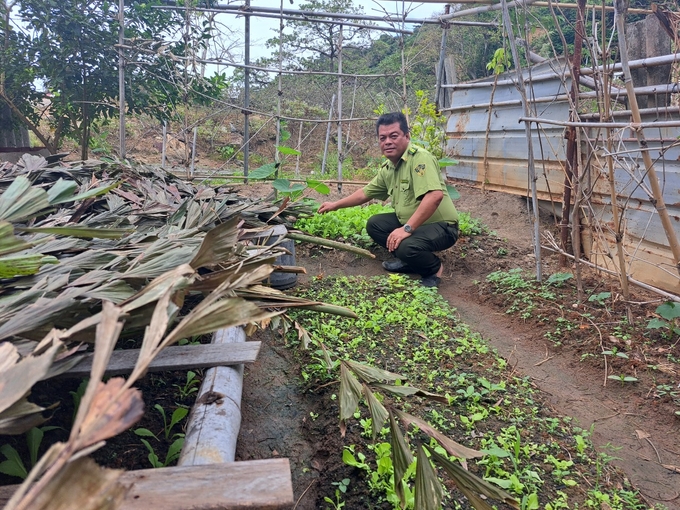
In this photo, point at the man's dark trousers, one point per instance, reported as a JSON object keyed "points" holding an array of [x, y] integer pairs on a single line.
{"points": [[416, 251]]}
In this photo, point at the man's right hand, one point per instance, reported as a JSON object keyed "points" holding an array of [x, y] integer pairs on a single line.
{"points": [[326, 207]]}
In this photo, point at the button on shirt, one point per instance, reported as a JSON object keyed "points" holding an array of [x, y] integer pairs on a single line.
{"points": [[416, 173]]}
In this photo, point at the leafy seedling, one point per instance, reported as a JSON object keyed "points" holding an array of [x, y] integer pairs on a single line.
{"points": [[669, 312], [172, 455], [623, 378], [190, 386]]}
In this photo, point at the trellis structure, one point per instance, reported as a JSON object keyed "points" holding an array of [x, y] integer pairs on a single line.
{"points": [[388, 23], [549, 104], [597, 164]]}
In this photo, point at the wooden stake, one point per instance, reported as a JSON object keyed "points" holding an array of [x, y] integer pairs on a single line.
{"points": [[646, 157]]}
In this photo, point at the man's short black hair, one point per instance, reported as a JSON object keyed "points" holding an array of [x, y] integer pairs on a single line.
{"points": [[388, 119]]}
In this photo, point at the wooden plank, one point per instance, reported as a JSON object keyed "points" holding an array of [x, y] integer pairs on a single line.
{"points": [[179, 357], [264, 484]]}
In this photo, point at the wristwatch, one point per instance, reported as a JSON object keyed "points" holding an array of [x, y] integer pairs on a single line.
{"points": [[407, 228]]}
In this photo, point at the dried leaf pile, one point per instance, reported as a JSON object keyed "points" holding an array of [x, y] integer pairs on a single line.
{"points": [[91, 251]]}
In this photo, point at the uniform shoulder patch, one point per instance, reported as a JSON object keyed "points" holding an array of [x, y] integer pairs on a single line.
{"points": [[420, 170], [412, 151]]}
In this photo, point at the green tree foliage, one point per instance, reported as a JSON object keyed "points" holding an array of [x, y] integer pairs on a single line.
{"points": [[473, 47], [70, 47], [16, 73]]}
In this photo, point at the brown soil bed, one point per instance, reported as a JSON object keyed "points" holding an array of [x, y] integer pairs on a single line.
{"points": [[570, 376]]}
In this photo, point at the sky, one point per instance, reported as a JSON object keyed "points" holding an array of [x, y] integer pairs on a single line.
{"points": [[266, 28]]}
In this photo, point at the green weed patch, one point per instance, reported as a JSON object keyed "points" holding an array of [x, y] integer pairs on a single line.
{"points": [[350, 224], [540, 459], [347, 224]]}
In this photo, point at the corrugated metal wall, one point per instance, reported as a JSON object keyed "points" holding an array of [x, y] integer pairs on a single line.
{"points": [[498, 158], [505, 145]]}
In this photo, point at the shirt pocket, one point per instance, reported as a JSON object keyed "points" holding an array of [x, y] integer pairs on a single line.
{"points": [[406, 192]]}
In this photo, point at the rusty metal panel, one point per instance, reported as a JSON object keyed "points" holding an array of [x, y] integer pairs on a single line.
{"points": [[490, 145], [499, 158], [645, 242]]}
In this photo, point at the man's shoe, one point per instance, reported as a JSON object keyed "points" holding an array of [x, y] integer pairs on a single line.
{"points": [[396, 266], [430, 281]]}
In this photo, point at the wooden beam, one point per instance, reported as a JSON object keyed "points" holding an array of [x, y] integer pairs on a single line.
{"points": [[264, 484], [179, 357]]}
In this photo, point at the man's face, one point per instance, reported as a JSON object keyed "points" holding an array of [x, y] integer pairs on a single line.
{"points": [[393, 141]]}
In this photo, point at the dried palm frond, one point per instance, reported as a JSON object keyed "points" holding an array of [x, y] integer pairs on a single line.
{"points": [[91, 235]]}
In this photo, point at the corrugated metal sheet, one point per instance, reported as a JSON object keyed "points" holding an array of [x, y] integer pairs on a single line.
{"points": [[504, 144]]}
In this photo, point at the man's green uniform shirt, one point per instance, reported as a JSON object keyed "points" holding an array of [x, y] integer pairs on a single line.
{"points": [[416, 173]]}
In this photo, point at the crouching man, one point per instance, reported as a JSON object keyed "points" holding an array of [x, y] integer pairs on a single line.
{"points": [[425, 220]]}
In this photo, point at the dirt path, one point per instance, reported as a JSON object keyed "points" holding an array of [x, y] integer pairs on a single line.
{"points": [[622, 417], [574, 388]]}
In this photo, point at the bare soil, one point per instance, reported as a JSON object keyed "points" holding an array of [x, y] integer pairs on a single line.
{"points": [[276, 411]]}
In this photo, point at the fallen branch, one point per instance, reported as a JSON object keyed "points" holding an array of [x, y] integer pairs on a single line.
{"points": [[541, 362], [330, 244]]}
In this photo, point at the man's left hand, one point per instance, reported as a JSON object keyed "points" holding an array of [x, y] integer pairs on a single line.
{"points": [[395, 238]]}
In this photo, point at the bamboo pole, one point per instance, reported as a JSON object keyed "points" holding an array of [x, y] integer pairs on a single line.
{"points": [[185, 83], [486, 136], [503, 5], [193, 151], [298, 15], [404, 101], [328, 135], [121, 78], [316, 17], [340, 155], [560, 5], [229, 63], [440, 65], [607, 125], [626, 113], [242, 178], [579, 196], [351, 112], [618, 232], [673, 297], [571, 173], [164, 145], [651, 172], [278, 101], [297, 158], [527, 129], [246, 98], [330, 244], [672, 88], [633, 64]]}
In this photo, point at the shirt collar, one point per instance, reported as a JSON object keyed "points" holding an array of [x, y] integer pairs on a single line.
{"points": [[404, 157]]}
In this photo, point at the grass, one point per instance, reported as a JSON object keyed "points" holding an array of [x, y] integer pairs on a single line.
{"points": [[539, 458]]}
